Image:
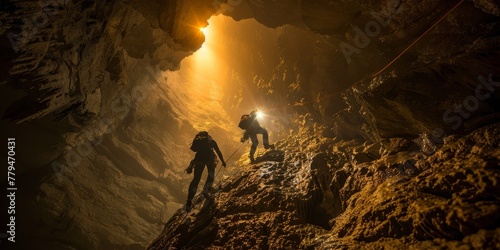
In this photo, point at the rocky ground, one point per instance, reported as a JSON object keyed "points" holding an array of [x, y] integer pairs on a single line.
{"points": [[317, 192]]}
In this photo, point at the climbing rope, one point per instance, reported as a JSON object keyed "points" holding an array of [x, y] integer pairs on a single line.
{"points": [[243, 143], [418, 38], [302, 103]]}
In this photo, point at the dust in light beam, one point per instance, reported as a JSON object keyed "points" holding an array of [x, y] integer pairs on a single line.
{"points": [[203, 77]]}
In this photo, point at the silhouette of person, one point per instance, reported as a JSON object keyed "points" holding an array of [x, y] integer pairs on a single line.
{"points": [[204, 146], [251, 132]]}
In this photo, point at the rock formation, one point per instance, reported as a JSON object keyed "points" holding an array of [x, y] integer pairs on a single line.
{"points": [[349, 194]]}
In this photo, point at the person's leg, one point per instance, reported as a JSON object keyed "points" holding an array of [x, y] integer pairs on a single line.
{"points": [[198, 170], [265, 137], [255, 142], [210, 177]]}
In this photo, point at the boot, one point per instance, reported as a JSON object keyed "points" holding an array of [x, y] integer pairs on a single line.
{"points": [[207, 195]]}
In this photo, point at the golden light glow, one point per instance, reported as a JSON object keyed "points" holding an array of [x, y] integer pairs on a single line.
{"points": [[205, 62], [208, 89], [203, 79], [209, 74]]}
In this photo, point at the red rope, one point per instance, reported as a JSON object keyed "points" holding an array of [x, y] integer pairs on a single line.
{"points": [[427, 31], [395, 59]]}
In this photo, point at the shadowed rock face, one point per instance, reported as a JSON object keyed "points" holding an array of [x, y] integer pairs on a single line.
{"points": [[325, 196], [71, 84], [408, 157]]}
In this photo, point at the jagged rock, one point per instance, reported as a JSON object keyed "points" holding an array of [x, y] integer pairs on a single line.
{"points": [[267, 207], [394, 145]]}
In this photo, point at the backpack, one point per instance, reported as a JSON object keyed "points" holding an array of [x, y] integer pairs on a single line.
{"points": [[245, 122], [201, 142]]}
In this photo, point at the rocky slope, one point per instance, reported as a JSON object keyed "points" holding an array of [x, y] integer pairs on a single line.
{"points": [[312, 192]]}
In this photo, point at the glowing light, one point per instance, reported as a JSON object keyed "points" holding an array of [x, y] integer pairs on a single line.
{"points": [[205, 60], [259, 114]]}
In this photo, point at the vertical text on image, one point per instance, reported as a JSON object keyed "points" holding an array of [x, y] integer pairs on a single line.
{"points": [[11, 188]]}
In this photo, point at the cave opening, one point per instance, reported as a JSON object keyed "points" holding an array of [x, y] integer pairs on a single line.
{"points": [[229, 75]]}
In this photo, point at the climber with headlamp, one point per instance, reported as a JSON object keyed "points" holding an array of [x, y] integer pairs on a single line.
{"points": [[249, 123]]}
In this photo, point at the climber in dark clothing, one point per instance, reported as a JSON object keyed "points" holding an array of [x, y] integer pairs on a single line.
{"points": [[204, 146], [252, 128]]}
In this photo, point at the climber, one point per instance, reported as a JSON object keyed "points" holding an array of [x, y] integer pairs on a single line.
{"points": [[252, 127], [204, 146]]}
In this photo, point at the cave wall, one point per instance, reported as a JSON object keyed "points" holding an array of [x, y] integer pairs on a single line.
{"points": [[80, 81]]}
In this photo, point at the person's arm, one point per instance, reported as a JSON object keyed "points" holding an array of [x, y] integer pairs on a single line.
{"points": [[245, 137], [217, 150]]}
